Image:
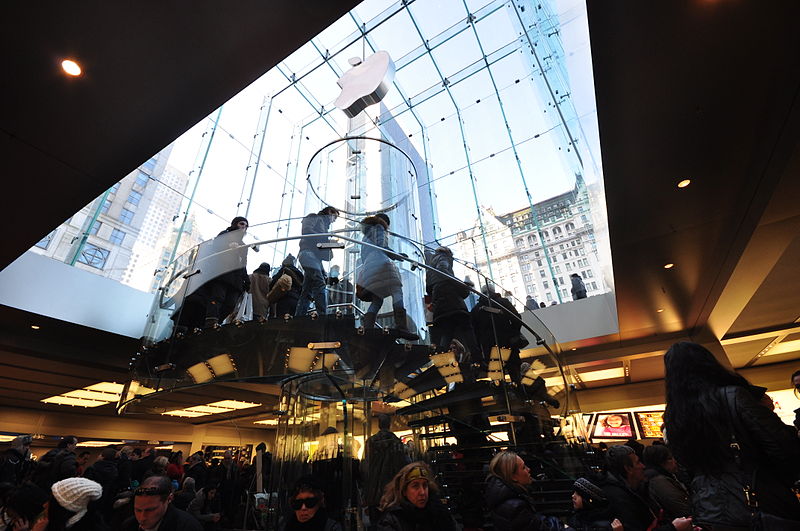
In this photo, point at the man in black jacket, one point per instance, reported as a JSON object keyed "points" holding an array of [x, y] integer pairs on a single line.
{"points": [[624, 477], [450, 315], [497, 322], [15, 461], [57, 464], [311, 258], [104, 471], [197, 469]]}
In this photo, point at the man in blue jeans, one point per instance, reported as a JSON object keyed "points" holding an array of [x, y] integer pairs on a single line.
{"points": [[311, 258]]}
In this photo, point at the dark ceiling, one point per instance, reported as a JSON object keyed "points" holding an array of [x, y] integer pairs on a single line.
{"points": [[706, 90]]}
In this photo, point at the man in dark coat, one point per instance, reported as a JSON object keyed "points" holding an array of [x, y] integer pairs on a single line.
{"points": [[578, 287], [621, 486], [497, 322], [57, 464], [384, 457], [153, 509], [287, 302], [450, 315], [197, 469], [311, 258], [15, 461], [143, 464], [104, 471]]}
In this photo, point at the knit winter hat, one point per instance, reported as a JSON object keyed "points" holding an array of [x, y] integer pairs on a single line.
{"points": [[588, 491], [288, 261], [74, 494]]}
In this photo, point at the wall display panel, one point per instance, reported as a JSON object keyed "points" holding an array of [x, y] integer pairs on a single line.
{"points": [[613, 426], [650, 424]]}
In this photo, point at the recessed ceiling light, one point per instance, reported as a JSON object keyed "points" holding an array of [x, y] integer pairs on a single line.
{"points": [[684, 183], [574, 348], [35, 327], [669, 266], [71, 67], [660, 310]]}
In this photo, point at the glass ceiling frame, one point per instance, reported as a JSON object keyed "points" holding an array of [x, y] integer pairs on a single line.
{"points": [[468, 23]]}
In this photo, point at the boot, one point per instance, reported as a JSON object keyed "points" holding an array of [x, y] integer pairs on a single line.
{"points": [[211, 322], [400, 322], [368, 321]]}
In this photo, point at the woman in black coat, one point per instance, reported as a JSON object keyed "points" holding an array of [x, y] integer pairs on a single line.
{"points": [[507, 496], [411, 502], [716, 427], [450, 316]]}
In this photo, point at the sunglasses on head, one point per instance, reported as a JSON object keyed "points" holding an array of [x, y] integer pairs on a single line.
{"points": [[310, 503], [150, 491]]}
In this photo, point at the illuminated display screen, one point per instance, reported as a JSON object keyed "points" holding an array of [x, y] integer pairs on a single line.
{"points": [[650, 423], [613, 426]]}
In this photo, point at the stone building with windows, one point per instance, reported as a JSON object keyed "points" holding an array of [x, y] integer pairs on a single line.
{"points": [[537, 256], [100, 238]]}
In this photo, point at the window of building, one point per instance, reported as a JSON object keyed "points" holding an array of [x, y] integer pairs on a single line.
{"points": [[545, 284], [541, 273], [115, 188], [549, 296], [529, 289], [106, 206], [520, 243], [44, 243], [583, 274], [556, 232], [558, 269], [561, 280], [150, 165], [569, 266], [117, 237], [93, 256], [590, 273], [570, 226], [561, 246], [564, 293], [593, 285], [126, 216], [141, 179], [531, 239], [95, 228], [539, 263], [536, 253], [134, 197], [584, 218]]}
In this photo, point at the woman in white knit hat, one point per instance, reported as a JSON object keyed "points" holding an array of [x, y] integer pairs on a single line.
{"points": [[71, 506]]}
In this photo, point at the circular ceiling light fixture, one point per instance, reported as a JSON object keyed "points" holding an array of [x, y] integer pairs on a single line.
{"points": [[684, 183], [660, 310], [71, 67], [35, 327], [669, 266]]}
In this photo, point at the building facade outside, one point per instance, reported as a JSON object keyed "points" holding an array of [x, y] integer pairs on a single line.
{"points": [[519, 260], [104, 236]]}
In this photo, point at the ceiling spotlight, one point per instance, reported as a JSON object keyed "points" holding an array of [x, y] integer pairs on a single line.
{"points": [[669, 266], [660, 310], [71, 67], [684, 183], [35, 327]]}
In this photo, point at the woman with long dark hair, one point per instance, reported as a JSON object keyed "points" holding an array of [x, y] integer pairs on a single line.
{"points": [[717, 428]]}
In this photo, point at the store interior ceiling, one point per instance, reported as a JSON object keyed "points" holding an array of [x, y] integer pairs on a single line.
{"points": [[708, 91]]}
